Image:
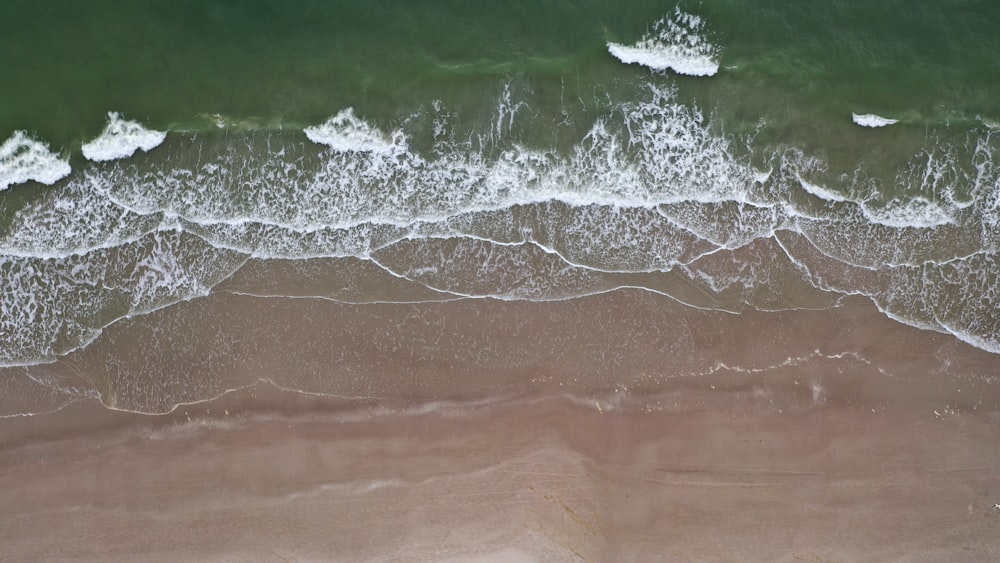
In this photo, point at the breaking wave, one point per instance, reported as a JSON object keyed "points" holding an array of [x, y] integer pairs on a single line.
{"points": [[676, 42], [24, 159], [651, 197], [872, 120], [120, 139]]}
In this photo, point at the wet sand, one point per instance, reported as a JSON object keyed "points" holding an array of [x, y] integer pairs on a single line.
{"points": [[627, 342], [621, 427]]}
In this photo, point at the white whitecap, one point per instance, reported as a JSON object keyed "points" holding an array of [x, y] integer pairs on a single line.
{"points": [[120, 139], [676, 42], [917, 212], [345, 132], [23, 159], [872, 120]]}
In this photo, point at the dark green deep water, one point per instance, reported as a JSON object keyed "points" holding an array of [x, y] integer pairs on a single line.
{"points": [[794, 64]]}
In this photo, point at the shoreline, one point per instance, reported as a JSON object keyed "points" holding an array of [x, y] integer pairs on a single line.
{"points": [[627, 343]]}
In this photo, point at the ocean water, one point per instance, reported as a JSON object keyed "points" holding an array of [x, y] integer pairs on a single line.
{"points": [[324, 163]]}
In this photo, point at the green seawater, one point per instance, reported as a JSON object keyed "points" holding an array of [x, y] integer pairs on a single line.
{"points": [[800, 67]]}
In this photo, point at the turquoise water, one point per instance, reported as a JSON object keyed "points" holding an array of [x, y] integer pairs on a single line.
{"points": [[368, 152]]}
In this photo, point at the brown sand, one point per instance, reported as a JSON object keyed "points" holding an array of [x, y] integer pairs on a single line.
{"points": [[625, 341], [270, 476], [622, 427]]}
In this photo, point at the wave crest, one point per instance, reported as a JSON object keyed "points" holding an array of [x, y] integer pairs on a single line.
{"points": [[120, 139], [23, 159], [872, 120], [676, 42], [345, 132]]}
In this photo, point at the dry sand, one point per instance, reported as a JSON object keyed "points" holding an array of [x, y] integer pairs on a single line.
{"points": [[268, 476]]}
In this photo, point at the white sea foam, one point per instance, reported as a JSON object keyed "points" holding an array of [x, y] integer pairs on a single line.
{"points": [[650, 194], [23, 159], [73, 218], [658, 151], [50, 306], [120, 139], [676, 42], [872, 120], [345, 132], [917, 212]]}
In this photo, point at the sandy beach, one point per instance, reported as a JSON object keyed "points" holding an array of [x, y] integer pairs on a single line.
{"points": [[759, 456], [270, 477]]}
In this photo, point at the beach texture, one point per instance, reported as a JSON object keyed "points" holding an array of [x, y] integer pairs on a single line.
{"points": [[525, 281]]}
